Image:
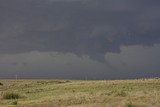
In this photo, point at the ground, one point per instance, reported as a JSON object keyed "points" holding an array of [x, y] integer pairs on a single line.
{"points": [[80, 93]]}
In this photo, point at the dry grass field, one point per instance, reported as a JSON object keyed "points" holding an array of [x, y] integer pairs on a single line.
{"points": [[79, 93]]}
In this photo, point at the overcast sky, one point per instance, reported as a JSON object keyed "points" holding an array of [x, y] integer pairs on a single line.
{"points": [[79, 39]]}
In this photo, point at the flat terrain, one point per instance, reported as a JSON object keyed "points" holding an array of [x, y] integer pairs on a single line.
{"points": [[70, 93]]}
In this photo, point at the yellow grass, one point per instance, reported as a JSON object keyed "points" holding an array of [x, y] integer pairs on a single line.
{"points": [[78, 93]]}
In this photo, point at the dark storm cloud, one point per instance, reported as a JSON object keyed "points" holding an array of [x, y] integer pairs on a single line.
{"points": [[89, 27]]}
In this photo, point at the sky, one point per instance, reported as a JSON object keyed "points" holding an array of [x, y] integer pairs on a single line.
{"points": [[80, 39]]}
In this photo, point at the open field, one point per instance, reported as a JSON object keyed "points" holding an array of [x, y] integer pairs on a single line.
{"points": [[78, 93]]}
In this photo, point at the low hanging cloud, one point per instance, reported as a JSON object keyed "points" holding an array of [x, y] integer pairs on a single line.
{"points": [[50, 65], [83, 27], [91, 28], [130, 63], [136, 61]]}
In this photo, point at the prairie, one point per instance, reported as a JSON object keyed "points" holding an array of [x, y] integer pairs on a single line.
{"points": [[80, 93]]}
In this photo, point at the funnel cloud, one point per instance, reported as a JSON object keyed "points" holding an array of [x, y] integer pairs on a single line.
{"points": [[75, 39]]}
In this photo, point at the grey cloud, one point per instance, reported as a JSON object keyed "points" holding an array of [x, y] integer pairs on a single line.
{"points": [[82, 27], [130, 63], [51, 65], [136, 61]]}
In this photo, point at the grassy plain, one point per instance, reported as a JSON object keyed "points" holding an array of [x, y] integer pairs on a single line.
{"points": [[79, 93]]}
